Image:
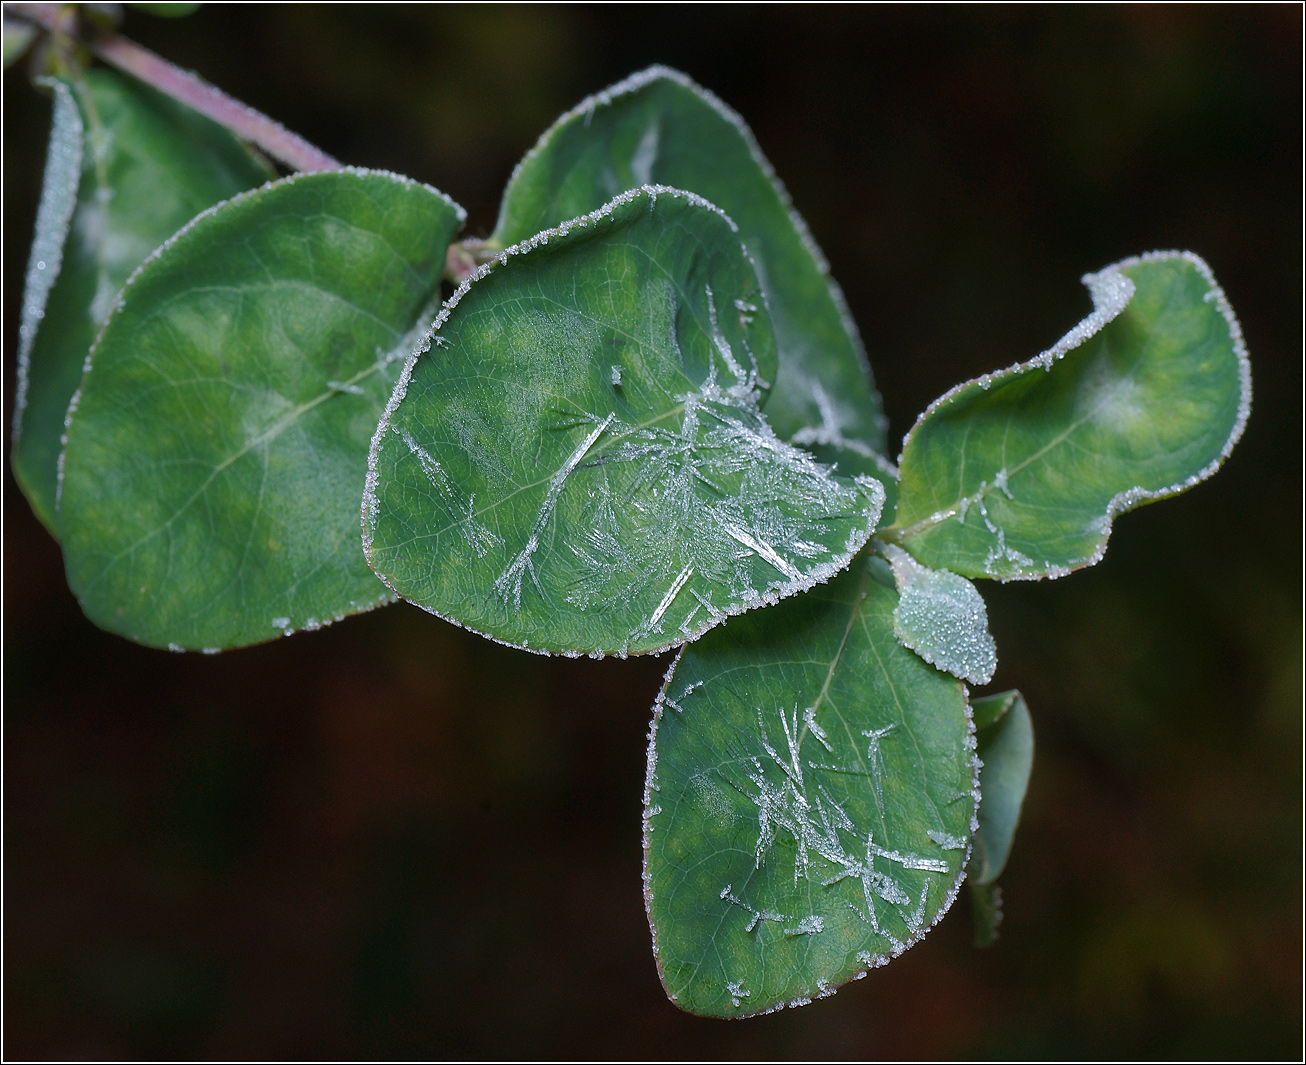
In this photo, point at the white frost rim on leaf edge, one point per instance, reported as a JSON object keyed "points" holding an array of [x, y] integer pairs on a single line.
{"points": [[370, 504], [637, 81], [310, 624], [54, 214], [876, 961], [1109, 300]]}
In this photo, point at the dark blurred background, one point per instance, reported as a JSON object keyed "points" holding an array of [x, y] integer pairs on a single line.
{"points": [[395, 839]]}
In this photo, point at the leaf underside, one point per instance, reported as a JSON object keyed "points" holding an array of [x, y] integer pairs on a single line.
{"points": [[942, 617], [578, 464], [811, 793], [217, 452], [148, 166], [1019, 474], [658, 127]]}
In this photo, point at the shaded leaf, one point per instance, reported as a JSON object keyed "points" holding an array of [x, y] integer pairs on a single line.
{"points": [[217, 449], [990, 709], [578, 463], [942, 618], [1019, 474], [810, 794], [658, 127], [985, 912], [148, 166], [1006, 747]]}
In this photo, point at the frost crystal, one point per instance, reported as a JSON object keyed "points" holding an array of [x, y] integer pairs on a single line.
{"points": [[941, 617], [822, 829]]}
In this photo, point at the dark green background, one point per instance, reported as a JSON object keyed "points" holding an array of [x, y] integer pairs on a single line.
{"points": [[395, 839]]}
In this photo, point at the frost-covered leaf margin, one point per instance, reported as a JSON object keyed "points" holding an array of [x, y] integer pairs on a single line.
{"points": [[1111, 292]]}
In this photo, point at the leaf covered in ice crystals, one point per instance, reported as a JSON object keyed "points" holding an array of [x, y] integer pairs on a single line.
{"points": [[578, 463], [810, 798], [658, 127]]}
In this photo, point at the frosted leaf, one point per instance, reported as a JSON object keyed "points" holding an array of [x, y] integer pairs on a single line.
{"points": [[607, 507], [63, 169], [148, 166], [942, 617], [658, 128], [821, 772], [1019, 474], [243, 371]]}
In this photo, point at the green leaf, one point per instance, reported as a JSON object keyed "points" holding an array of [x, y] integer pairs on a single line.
{"points": [[1019, 474], [658, 127], [990, 709], [985, 912], [217, 447], [942, 618], [852, 458], [811, 790], [1006, 747], [578, 463], [128, 167]]}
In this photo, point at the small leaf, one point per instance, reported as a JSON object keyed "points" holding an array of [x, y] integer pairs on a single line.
{"points": [[1006, 747], [985, 912], [578, 463], [217, 447], [134, 167], [942, 618], [1019, 474], [658, 127], [990, 709], [810, 794]]}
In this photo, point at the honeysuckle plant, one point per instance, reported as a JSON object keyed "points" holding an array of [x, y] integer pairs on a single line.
{"points": [[251, 404]]}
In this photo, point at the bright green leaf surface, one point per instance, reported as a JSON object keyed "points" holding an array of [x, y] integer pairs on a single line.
{"points": [[658, 127], [1019, 474], [217, 452], [1006, 747], [578, 463], [148, 167], [810, 795], [942, 618]]}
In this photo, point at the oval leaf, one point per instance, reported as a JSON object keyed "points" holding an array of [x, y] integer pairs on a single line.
{"points": [[1006, 747], [942, 618], [217, 447], [811, 790], [658, 127], [1019, 474], [578, 464], [149, 166]]}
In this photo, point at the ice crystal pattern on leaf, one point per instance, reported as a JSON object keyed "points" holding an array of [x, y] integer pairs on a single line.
{"points": [[795, 802], [942, 617]]}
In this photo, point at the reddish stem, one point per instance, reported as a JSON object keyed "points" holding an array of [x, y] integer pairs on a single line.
{"points": [[254, 126]]}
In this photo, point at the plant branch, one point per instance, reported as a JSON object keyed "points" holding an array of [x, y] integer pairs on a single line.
{"points": [[254, 126]]}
